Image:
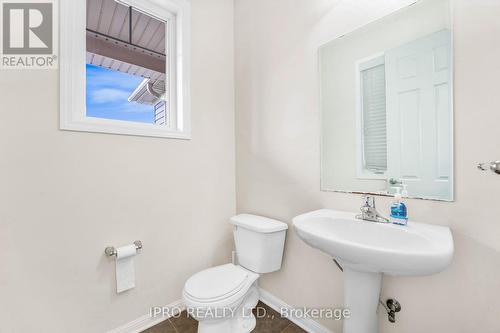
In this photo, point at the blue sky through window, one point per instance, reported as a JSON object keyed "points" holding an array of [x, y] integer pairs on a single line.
{"points": [[107, 96]]}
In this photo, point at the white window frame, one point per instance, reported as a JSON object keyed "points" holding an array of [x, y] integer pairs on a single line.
{"points": [[361, 65], [72, 85]]}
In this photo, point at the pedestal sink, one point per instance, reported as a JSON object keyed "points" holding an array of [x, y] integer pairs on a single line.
{"points": [[366, 250]]}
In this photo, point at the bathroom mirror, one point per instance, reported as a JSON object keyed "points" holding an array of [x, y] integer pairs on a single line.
{"points": [[387, 105]]}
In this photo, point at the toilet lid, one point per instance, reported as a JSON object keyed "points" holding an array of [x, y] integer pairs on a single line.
{"points": [[216, 282]]}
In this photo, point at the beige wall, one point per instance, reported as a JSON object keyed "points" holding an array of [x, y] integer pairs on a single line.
{"points": [[277, 125], [64, 196]]}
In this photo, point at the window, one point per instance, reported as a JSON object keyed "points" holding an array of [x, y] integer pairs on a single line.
{"points": [[125, 67], [372, 115], [112, 94], [125, 63]]}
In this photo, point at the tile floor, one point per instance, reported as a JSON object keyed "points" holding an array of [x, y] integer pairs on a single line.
{"points": [[272, 322]]}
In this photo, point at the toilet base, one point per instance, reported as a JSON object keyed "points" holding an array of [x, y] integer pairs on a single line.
{"points": [[230, 325], [245, 326], [242, 319]]}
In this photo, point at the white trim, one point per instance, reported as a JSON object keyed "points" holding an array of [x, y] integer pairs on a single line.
{"points": [[276, 304], [134, 93], [177, 15], [144, 322], [451, 11]]}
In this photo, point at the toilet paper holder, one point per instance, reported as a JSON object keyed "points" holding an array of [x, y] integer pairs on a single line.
{"points": [[110, 251]]}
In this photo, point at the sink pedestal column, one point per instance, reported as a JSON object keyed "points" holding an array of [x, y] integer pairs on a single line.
{"points": [[361, 297]]}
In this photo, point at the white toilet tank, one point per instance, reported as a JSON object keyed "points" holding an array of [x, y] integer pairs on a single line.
{"points": [[259, 242]]}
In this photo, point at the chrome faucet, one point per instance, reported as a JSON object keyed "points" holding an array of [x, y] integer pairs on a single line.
{"points": [[369, 212]]}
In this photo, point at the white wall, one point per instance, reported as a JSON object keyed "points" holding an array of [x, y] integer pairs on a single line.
{"points": [[64, 196], [277, 125]]}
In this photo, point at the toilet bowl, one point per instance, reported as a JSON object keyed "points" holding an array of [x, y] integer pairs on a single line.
{"points": [[221, 298]]}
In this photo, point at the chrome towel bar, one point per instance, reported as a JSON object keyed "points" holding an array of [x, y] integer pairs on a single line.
{"points": [[110, 251], [493, 166]]}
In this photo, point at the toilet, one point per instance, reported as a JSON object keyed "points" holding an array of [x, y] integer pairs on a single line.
{"points": [[221, 298]]}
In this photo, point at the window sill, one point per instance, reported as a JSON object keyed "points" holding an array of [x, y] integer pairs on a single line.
{"points": [[124, 128]]}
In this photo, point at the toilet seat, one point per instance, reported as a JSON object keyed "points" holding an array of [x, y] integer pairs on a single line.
{"points": [[221, 299], [216, 283], [219, 285]]}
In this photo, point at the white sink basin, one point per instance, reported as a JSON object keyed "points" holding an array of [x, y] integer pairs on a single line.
{"points": [[415, 249], [366, 250]]}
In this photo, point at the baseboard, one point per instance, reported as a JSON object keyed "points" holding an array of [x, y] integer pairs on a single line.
{"points": [[144, 322], [277, 304]]}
